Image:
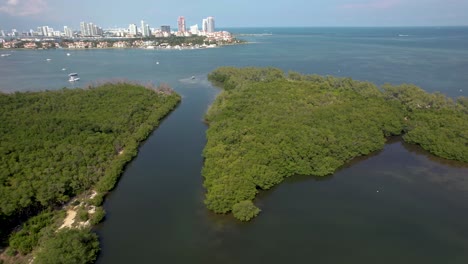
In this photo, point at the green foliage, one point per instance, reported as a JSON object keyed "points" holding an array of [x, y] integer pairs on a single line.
{"points": [[10, 252], [265, 127], [57, 144], [97, 200], [98, 216], [24, 240], [245, 210], [435, 122], [69, 246], [82, 214]]}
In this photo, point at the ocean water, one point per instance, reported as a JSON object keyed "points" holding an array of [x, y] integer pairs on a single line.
{"points": [[399, 205]]}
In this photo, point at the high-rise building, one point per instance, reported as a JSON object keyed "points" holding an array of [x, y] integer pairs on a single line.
{"points": [[92, 29], [132, 29], [145, 29], [194, 29], [84, 29], [205, 25], [45, 31], [67, 32], [89, 29], [181, 24], [210, 28], [166, 29]]}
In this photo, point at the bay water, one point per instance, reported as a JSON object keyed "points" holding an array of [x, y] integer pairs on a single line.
{"points": [[399, 205]]}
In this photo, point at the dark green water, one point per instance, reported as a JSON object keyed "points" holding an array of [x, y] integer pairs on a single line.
{"points": [[400, 205]]}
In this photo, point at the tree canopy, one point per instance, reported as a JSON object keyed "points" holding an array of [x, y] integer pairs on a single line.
{"points": [[266, 126], [57, 144]]}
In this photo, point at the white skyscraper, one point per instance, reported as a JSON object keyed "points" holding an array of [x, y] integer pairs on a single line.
{"points": [[92, 29], [210, 28], [194, 29], [45, 31], [68, 32], [145, 29], [132, 29], [205, 25]]}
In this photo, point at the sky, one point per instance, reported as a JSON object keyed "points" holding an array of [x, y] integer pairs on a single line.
{"points": [[29, 14]]}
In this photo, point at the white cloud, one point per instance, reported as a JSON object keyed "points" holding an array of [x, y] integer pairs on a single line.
{"points": [[22, 7]]}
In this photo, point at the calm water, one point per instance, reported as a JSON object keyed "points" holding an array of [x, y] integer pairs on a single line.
{"points": [[400, 205]]}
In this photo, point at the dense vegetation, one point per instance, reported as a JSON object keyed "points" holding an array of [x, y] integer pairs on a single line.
{"points": [[57, 144], [266, 126], [69, 246]]}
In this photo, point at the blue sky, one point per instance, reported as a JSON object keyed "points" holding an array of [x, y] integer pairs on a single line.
{"points": [[25, 14]]}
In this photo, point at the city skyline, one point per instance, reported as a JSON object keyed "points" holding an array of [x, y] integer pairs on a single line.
{"points": [[24, 14]]}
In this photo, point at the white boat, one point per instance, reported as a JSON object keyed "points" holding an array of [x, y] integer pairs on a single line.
{"points": [[68, 54], [157, 62], [193, 78], [64, 69], [73, 79], [5, 55], [48, 59], [73, 74]]}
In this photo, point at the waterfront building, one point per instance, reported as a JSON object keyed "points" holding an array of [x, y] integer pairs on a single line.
{"points": [[194, 29], [210, 27], [132, 29], [145, 30], [67, 32], [166, 29], [90, 29], [181, 24], [44, 31], [204, 25], [84, 29]]}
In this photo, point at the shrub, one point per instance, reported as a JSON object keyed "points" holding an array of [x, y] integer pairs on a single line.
{"points": [[82, 214], [97, 200], [98, 216], [245, 210], [69, 246]]}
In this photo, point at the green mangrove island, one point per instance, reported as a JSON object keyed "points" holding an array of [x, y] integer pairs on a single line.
{"points": [[265, 126], [60, 153]]}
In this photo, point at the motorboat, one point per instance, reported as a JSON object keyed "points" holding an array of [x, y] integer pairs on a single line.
{"points": [[73, 74], [73, 79]]}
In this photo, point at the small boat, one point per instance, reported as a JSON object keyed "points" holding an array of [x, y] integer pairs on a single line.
{"points": [[68, 54], [73, 74], [5, 55], [193, 78], [73, 79], [157, 62], [48, 59]]}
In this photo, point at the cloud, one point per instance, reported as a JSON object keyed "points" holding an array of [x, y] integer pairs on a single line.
{"points": [[22, 7], [375, 4]]}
